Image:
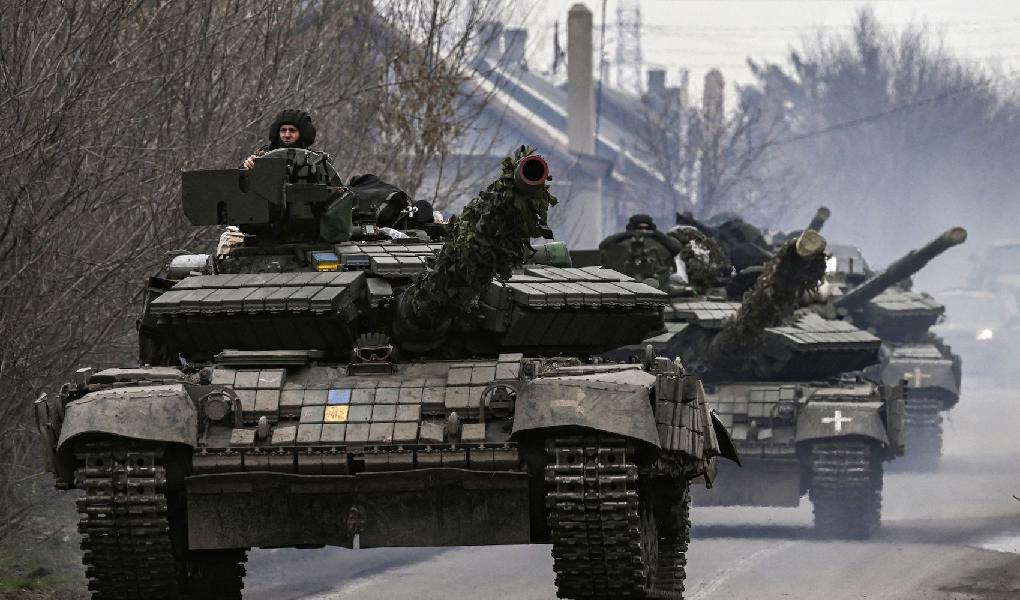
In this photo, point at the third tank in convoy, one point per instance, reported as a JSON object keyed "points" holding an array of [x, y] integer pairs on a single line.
{"points": [[883, 302]]}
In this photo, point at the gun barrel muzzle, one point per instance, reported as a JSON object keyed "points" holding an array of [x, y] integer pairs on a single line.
{"points": [[531, 173], [810, 243]]}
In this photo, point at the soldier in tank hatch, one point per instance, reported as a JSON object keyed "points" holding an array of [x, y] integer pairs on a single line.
{"points": [[292, 128], [641, 251]]}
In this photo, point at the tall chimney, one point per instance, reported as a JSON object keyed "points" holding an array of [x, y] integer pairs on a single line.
{"points": [[656, 81], [490, 34], [580, 83], [514, 43]]}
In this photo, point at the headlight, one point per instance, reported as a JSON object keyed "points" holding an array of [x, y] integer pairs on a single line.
{"points": [[985, 334], [216, 407], [500, 400]]}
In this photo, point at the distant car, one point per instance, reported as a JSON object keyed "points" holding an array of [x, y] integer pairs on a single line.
{"points": [[984, 327]]}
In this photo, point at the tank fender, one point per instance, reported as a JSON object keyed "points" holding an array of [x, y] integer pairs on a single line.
{"points": [[938, 376], [618, 408], [157, 413], [727, 449], [822, 420]]}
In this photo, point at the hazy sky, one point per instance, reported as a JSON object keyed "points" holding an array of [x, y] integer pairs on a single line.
{"points": [[701, 34]]}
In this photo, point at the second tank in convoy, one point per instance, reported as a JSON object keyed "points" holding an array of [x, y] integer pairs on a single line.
{"points": [[774, 372]]}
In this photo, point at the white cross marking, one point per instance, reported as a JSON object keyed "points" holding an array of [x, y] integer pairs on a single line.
{"points": [[918, 376], [837, 420]]}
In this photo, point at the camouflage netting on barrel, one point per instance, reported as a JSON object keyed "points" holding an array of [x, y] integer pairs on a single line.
{"points": [[489, 240], [796, 269]]}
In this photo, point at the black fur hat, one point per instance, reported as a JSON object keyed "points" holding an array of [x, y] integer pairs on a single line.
{"points": [[641, 222], [298, 118]]}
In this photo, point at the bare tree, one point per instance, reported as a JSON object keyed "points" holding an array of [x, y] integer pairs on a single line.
{"points": [[890, 130], [708, 158], [106, 102]]}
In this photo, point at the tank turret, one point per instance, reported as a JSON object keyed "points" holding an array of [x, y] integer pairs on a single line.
{"points": [[297, 283], [488, 241], [911, 263], [796, 268]]}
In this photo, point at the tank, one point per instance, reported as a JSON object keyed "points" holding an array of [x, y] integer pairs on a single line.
{"points": [[776, 373], [902, 318], [327, 382]]}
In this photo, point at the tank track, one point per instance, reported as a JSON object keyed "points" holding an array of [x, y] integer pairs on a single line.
{"points": [[846, 488], [128, 553], [608, 542], [923, 429], [125, 527]]}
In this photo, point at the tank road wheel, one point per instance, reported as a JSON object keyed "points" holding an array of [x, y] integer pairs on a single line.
{"points": [[614, 535], [128, 553], [846, 488], [213, 574], [923, 438]]}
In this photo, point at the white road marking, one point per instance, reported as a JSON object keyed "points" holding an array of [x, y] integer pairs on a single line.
{"points": [[722, 576]]}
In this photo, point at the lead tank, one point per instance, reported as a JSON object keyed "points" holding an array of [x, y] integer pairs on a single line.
{"points": [[776, 374], [325, 382], [884, 304]]}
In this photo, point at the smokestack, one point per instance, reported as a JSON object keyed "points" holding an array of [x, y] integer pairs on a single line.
{"points": [[580, 82], [712, 98], [656, 81], [514, 42], [684, 77], [490, 35]]}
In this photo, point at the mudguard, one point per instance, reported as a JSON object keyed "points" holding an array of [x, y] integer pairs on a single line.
{"points": [[618, 408], [821, 420], [926, 376], [722, 435], [158, 413]]}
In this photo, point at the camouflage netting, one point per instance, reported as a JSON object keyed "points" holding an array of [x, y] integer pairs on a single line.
{"points": [[489, 240], [775, 295], [705, 262]]}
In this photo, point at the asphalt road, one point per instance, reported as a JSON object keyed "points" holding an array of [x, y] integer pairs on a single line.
{"points": [[952, 535]]}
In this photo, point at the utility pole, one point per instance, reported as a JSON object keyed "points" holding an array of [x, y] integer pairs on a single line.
{"points": [[559, 54]]}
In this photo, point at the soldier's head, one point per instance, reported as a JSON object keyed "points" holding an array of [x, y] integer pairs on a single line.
{"points": [[292, 129], [641, 223]]}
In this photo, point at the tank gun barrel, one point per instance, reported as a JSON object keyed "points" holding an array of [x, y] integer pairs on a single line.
{"points": [[906, 266], [489, 240], [531, 173], [818, 221]]}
